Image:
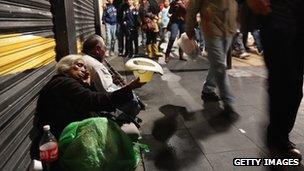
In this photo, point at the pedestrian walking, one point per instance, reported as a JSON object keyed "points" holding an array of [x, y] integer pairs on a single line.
{"points": [[177, 13], [218, 28], [164, 21], [282, 34]]}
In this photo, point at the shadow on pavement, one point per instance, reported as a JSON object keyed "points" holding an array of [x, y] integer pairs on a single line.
{"points": [[166, 159], [218, 119], [165, 127], [164, 155]]}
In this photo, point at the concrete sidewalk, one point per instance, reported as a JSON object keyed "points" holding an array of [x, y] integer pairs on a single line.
{"points": [[185, 134]]}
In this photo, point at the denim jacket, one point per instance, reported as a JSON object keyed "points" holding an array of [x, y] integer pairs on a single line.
{"points": [[110, 15]]}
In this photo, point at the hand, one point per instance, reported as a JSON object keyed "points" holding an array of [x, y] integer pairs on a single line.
{"points": [[259, 6], [86, 79], [118, 80], [134, 84]]}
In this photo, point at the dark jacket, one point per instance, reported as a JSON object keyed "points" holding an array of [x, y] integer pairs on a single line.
{"points": [[178, 12], [110, 15], [64, 100], [131, 18], [151, 7], [120, 12], [249, 21]]}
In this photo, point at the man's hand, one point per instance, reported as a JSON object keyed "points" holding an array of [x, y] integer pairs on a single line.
{"points": [[259, 6], [118, 80], [134, 84]]}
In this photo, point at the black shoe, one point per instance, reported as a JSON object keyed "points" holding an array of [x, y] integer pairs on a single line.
{"points": [[228, 108], [130, 56], [125, 55], [286, 149], [210, 97]]}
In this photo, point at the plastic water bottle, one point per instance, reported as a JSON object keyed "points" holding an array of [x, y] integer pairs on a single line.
{"points": [[48, 148]]}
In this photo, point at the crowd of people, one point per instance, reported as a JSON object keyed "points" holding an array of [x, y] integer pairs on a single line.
{"points": [[162, 22], [83, 83], [226, 25]]}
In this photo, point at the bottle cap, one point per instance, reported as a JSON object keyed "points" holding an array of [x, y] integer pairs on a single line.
{"points": [[46, 127]]}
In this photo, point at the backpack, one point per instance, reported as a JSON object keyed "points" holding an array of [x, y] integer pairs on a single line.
{"points": [[148, 24]]}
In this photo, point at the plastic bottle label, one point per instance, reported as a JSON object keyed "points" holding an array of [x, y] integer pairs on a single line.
{"points": [[49, 152]]}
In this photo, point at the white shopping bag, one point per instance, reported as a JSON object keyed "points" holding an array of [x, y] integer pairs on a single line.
{"points": [[189, 46]]}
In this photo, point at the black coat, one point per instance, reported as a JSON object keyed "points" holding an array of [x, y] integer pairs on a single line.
{"points": [[64, 100], [249, 21]]}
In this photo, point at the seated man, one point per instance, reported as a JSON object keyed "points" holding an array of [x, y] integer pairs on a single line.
{"points": [[101, 78], [67, 97]]}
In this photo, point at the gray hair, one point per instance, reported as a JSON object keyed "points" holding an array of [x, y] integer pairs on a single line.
{"points": [[91, 42], [66, 63]]}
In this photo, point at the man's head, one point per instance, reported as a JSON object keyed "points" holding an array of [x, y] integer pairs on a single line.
{"points": [[73, 66], [95, 47]]}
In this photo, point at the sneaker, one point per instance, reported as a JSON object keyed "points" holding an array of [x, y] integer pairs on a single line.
{"points": [[234, 53], [261, 53], [283, 150], [120, 54], [210, 97], [204, 53], [244, 55]]}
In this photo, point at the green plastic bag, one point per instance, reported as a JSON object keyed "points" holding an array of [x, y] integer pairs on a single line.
{"points": [[96, 144]]}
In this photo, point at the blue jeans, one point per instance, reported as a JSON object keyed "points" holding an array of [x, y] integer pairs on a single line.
{"points": [[237, 43], [217, 48], [110, 31], [199, 38], [176, 27]]}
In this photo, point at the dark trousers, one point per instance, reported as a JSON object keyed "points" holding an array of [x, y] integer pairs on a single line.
{"points": [[283, 44], [151, 37], [121, 35], [132, 38]]}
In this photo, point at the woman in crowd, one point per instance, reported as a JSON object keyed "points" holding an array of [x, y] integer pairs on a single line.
{"points": [[177, 13]]}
